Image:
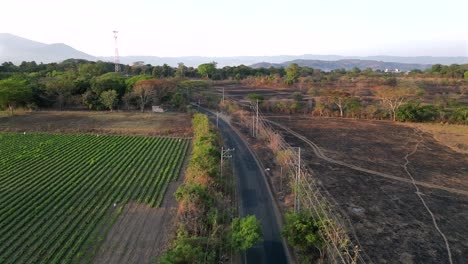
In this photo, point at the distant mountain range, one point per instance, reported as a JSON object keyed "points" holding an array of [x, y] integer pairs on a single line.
{"points": [[17, 49], [346, 64]]}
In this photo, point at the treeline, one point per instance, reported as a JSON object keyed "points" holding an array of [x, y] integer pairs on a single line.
{"points": [[387, 103], [81, 84], [75, 84], [206, 231], [211, 71]]}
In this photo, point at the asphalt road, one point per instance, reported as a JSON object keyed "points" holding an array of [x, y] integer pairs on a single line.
{"points": [[254, 199]]}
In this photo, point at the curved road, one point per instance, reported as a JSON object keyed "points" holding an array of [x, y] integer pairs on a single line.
{"points": [[254, 199]]}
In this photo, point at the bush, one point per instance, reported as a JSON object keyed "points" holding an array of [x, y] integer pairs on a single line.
{"points": [[193, 84], [194, 193], [414, 112], [460, 115], [254, 97], [245, 233], [187, 250], [302, 230], [184, 253]]}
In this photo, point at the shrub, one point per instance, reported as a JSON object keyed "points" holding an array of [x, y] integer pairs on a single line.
{"points": [[460, 115], [245, 233], [187, 250], [254, 97], [414, 112], [302, 230]]}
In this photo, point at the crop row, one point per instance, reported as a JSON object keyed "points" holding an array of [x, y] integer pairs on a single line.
{"points": [[56, 189]]}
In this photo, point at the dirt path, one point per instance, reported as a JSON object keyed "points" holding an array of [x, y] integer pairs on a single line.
{"points": [[390, 220], [420, 194], [319, 153]]}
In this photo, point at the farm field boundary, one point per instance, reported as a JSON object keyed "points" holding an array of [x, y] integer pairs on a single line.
{"points": [[57, 190]]}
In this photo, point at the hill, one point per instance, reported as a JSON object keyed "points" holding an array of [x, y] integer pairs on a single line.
{"points": [[346, 64], [17, 49]]}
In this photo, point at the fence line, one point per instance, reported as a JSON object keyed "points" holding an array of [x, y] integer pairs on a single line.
{"points": [[340, 248]]}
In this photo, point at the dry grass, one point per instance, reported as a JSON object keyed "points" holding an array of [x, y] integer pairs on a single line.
{"points": [[17, 112], [116, 123], [453, 136]]}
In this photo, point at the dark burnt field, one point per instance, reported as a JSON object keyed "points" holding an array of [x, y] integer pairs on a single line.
{"points": [[387, 216]]}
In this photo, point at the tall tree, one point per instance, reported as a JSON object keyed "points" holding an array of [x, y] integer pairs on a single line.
{"points": [[99, 84], [292, 73], [181, 69], [109, 81], [167, 71], [339, 99], [207, 70], [109, 99], [245, 233], [353, 106], [130, 82], [392, 98], [13, 92], [59, 88], [152, 90]]}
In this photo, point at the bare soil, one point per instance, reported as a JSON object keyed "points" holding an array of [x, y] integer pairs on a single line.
{"points": [[387, 216], [141, 233], [115, 123]]}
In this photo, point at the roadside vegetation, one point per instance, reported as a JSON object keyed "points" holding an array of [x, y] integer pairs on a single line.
{"points": [[207, 231], [303, 232], [312, 225]]}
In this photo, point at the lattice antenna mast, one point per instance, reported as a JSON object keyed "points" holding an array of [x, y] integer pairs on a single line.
{"points": [[116, 54]]}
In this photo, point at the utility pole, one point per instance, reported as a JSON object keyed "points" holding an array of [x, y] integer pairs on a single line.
{"points": [[254, 119], [225, 154], [223, 95], [256, 124], [297, 206], [217, 117], [253, 126]]}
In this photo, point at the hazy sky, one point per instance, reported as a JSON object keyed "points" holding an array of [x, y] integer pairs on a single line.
{"points": [[244, 27]]}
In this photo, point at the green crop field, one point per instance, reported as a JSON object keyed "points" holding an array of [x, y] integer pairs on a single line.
{"points": [[57, 190]]}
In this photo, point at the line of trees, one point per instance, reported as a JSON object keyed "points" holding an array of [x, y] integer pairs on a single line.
{"points": [[206, 229], [94, 85], [388, 103], [76, 84]]}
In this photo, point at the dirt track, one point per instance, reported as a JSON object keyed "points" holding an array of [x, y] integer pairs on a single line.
{"points": [[319, 153], [388, 216]]}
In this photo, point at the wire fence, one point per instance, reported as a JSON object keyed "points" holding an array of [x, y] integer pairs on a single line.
{"points": [[341, 247]]}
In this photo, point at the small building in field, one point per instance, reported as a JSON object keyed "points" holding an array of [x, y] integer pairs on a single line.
{"points": [[157, 109]]}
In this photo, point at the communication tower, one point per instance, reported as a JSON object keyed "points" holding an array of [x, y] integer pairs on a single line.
{"points": [[116, 54]]}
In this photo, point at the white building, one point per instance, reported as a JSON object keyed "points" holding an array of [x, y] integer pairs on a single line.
{"points": [[157, 109]]}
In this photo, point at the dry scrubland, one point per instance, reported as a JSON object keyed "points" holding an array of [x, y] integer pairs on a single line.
{"points": [[453, 136], [387, 217], [385, 214]]}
